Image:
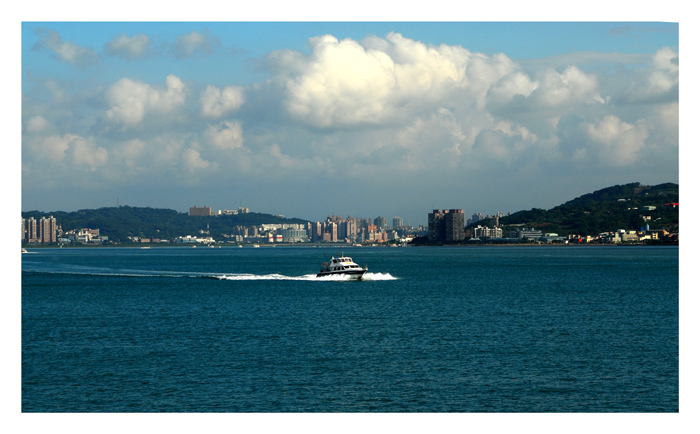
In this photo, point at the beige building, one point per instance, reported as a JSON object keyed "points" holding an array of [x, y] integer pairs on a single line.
{"points": [[202, 212]]}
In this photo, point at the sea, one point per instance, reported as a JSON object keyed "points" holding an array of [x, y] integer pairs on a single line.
{"points": [[485, 329]]}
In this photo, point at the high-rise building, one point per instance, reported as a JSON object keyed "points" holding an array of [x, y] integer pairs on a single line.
{"points": [[352, 229], [454, 225], [397, 222], [380, 222], [436, 225], [446, 225], [32, 232], [47, 229]]}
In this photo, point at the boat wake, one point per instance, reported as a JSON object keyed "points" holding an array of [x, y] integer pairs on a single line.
{"points": [[91, 271], [307, 277]]}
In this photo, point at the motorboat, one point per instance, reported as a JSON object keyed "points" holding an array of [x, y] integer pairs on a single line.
{"points": [[342, 266]]}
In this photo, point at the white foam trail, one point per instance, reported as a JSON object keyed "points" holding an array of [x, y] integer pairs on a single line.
{"points": [[378, 276], [264, 277], [307, 277]]}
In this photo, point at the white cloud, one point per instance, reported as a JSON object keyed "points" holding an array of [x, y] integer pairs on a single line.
{"points": [[195, 43], [217, 102], [658, 83], [666, 59], [228, 135], [388, 80], [52, 147], [128, 47], [55, 148], [86, 152], [130, 151], [192, 160], [130, 101], [618, 143], [517, 83], [667, 117], [37, 124], [572, 86], [344, 83], [65, 51]]}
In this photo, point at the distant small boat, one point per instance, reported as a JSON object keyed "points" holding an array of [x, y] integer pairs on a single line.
{"points": [[146, 247], [342, 266], [24, 250]]}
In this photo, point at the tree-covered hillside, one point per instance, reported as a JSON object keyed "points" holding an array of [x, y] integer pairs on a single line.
{"points": [[118, 223], [606, 210]]}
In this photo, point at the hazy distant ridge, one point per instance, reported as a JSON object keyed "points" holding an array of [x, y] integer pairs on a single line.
{"points": [[609, 209], [590, 214], [119, 222]]}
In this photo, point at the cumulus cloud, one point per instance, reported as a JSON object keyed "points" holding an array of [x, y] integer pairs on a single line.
{"points": [[65, 51], [37, 124], [67, 148], [228, 135], [658, 83], [85, 152], [666, 117], [349, 83], [196, 43], [218, 102], [516, 84], [569, 87], [192, 160], [130, 101], [666, 59], [128, 47], [130, 151], [618, 143], [343, 83], [51, 147]]}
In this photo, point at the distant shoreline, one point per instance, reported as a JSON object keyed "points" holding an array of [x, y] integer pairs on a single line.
{"points": [[340, 246]]}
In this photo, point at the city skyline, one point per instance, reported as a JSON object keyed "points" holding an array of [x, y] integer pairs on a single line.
{"points": [[367, 118]]}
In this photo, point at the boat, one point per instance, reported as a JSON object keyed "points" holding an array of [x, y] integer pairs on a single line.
{"points": [[342, 266]]}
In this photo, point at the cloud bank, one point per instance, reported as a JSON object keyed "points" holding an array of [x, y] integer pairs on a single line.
{"points": [[389, 112]]}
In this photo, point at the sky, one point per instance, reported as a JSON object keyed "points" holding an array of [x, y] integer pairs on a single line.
{"points": [[363, 118]]}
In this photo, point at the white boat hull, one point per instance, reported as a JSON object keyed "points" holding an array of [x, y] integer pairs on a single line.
{"points": [[352, 274]]}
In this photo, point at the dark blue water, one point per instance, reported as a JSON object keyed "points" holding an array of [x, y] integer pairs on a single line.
{"points": [[496, 329]]}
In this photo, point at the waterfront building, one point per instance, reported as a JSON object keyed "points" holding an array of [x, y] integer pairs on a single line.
{"points": [[292, 235], [446, 225], [30, 232], [487, 232], [454, 225], [436, 225], [48, 229], [529, 234]]}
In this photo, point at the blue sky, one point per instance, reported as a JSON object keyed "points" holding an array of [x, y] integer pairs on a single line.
{"points": [[360, 118]]}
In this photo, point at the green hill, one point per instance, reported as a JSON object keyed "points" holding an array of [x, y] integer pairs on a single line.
{"points": [[118, 223], [606, 210]]}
